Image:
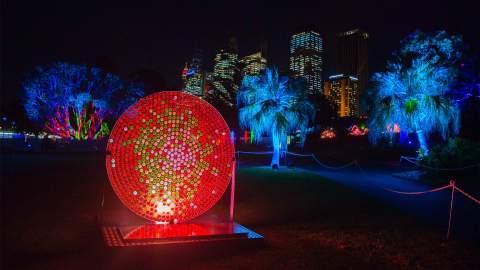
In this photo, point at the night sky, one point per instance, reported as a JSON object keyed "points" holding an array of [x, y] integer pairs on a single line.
{"points": [[162, 37]]}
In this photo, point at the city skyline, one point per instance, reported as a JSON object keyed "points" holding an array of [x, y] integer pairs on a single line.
{"points": [[160, 37], [305, 61]]}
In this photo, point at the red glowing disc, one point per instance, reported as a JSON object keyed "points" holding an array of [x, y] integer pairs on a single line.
{"points": [[170, 157]]}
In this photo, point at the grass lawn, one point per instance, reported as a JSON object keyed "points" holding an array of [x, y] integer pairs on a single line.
{"points": [[50, 202]]}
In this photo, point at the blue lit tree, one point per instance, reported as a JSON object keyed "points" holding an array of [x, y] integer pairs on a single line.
{"points": [[413, 91], [466, 92], [269, 105], [75, 101]]}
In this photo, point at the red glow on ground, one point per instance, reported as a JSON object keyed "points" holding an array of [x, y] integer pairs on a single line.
{"points": [[152, 234], [152, 231]]}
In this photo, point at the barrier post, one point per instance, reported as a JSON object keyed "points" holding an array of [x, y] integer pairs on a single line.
{"points": [[452, 183], [232, 191]]}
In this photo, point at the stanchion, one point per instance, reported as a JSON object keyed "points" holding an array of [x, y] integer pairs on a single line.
{"points": [[232, 191], [454, 188], [452, 183]]}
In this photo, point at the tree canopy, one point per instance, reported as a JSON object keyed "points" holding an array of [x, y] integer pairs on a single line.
{"points": [[269, 105], [74, 101], [413, 90]]}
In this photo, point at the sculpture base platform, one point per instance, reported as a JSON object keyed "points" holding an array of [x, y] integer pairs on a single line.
{"points": [[171, 234]]}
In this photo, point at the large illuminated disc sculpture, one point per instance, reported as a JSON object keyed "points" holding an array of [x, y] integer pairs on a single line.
{"points": [[170, 157]]}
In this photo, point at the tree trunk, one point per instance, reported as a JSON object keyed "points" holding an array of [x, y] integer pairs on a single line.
{"points": [[422, 140], [276, 150]]}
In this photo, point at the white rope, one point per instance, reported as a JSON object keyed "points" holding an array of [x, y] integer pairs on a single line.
{"points": [[255, 153], [354, 162]]}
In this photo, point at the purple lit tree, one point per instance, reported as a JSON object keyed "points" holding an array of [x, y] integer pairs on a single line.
{"points": [[75, 101]]}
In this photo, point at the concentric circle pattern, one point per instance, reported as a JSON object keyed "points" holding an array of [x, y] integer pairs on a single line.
{"points": [[170, 157]]}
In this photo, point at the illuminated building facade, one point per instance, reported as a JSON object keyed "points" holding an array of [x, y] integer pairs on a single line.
{"points": [[193, 76], [253, 64], [343, 91], [352, 55], [207, 84], [225, 65], [306, 49], [225, 72]]}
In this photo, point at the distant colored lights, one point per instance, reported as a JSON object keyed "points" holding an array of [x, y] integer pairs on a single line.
{"points": [[357, 131], [395, 129], [191, 72], [245, 136], [328, 134]]}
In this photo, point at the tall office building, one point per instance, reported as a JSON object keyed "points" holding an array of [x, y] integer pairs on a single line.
{"points": [[343, 90], [225, 65], [193, 75], [253, 64], [306, 49], [225, 72], [352, 55]]}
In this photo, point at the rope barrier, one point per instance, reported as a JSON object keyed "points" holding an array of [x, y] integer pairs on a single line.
{"points": [[299, 155], [450, 213], [419, 192], [451, 185], [454, 188], [354, 162], [255, 153], [409, 159], [467, 195]]}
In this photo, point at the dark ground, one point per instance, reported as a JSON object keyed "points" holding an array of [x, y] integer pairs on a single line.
{"points": [[50, 204]]}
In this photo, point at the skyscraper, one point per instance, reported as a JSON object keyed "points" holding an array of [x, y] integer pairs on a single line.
{"points": [[306, 49], [343, 91], [352, 55], [225, 65], [225, 72], [253, 64], [193, 75]]}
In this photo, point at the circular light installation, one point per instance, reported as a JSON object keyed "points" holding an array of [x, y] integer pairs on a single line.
{"points": [[170, 157]]}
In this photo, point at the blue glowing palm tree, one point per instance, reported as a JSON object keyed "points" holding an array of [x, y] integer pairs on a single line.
{"points": [[268, 105], [413, 91]]}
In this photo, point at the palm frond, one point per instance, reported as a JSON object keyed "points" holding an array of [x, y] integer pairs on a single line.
{"points": [[268, 106]]}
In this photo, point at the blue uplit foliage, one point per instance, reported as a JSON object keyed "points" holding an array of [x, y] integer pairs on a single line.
{"points": [[467, 88], [413, 91], [466, 92], [269, 105], [73, 101]]}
